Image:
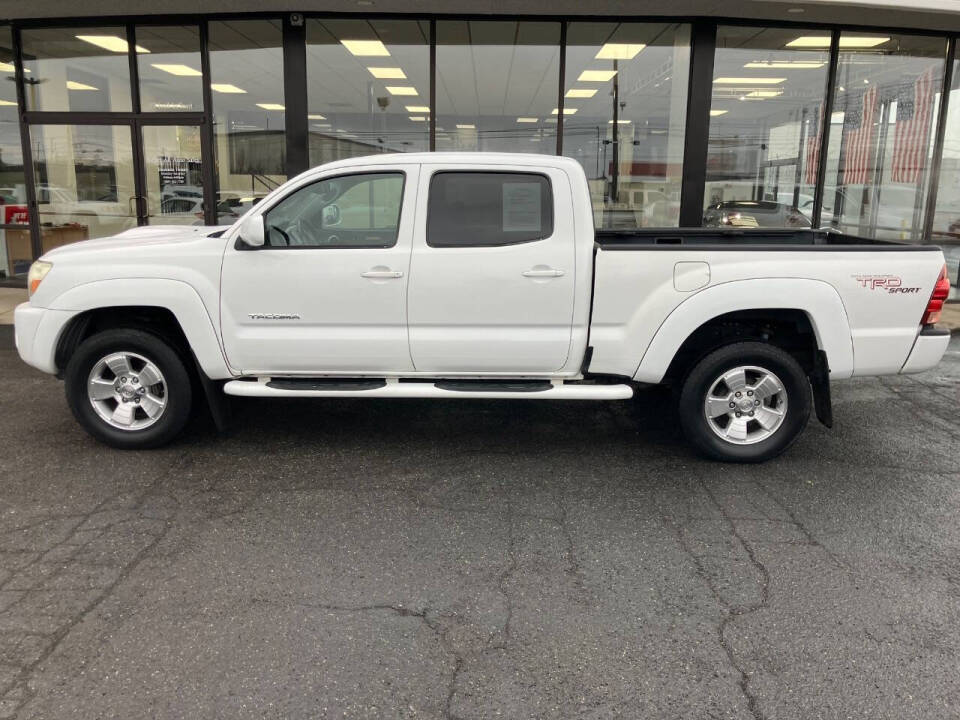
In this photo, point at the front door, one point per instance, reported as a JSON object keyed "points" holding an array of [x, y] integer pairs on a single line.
{"points": [[172, 160], [328, 291], [492, 272]]}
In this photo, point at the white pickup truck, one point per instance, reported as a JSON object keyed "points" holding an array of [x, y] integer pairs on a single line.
{"points": [[474, 275]]}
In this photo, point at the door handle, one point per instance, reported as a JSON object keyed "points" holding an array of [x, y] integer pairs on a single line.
{"points": [[543, 273], [382, 274]]}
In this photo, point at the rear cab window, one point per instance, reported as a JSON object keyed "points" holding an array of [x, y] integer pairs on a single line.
{"points": [[488, 209]]}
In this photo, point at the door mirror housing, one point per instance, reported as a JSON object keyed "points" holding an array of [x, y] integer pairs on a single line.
{"points": [[252, 232]]}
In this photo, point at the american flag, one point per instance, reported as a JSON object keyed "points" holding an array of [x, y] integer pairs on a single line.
{"points": [[858, 138], [814, 137], [914, 111]]}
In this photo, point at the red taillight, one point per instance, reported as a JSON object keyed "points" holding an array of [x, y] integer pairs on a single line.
{"points": [[940, 292]]}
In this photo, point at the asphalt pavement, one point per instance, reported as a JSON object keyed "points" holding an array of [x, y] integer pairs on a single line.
{"points": [[454, 559]]}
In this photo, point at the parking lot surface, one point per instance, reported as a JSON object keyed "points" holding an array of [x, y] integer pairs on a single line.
{"points": [[415, 559]]}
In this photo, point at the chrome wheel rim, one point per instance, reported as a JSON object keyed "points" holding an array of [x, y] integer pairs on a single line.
{"points": [[127, 391], [745, 405]]}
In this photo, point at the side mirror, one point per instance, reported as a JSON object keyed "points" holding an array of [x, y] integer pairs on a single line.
{"points": [[251, 231]]}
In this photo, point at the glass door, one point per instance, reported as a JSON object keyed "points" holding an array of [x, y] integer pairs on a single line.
{"points": [[173, 157]]}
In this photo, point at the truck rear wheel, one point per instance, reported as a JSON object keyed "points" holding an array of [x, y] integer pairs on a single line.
{"points": [[746, 402], [129, 389]]}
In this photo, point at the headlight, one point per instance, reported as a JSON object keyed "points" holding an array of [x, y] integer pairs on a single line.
{"points": [[38, 271]]}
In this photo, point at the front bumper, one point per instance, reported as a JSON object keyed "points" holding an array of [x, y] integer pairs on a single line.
{"points": [[36, 331], [927, 351]]}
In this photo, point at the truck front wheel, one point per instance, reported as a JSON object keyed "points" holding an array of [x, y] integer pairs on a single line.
{"points": [[745, 402], [128, 388]]}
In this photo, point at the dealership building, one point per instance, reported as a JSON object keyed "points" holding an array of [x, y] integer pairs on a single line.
{"points": [[738, 114]]}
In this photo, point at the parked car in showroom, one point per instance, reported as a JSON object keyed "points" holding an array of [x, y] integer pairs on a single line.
{"points": [[475, 276]]}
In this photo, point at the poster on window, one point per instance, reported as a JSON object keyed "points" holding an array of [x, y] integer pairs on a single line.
{"points": [[521, 207]]}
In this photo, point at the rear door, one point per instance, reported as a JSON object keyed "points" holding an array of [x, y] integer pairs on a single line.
{"points": [[492, 272]]}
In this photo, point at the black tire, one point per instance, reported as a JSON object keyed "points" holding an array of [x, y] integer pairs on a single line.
{"points": [[178, 391], [698, 384]]}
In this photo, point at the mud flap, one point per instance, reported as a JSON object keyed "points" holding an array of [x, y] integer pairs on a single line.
{"points": [[217, 400], [820, 382]]}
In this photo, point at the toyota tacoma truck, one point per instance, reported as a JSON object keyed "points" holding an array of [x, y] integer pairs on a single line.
{"points": [[474, 276]]}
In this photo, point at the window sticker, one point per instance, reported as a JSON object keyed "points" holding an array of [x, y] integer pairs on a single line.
{"points": [[521, 207]]}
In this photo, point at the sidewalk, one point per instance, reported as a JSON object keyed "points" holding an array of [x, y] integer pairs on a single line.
{"points": [[9, 299]]}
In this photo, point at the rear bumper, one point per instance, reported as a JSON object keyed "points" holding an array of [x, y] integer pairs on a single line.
{"points": [[36, 331], [927, 351]]}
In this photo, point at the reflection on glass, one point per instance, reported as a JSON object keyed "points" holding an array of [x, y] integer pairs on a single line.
{"points": [[170, 77], [882, 133], [497, 85], [368, 87], [82, 69], [15, 251], [766, 120], [946, 219], [625, 105], [246, 66], [84, 181], [174, 176]]}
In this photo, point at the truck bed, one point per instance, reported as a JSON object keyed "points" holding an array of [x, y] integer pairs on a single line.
{"points": [[731, 238]]}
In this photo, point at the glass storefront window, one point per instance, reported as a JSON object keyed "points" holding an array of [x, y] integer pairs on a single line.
{"points": [[766, 119], [170, 77], [84, 69], [15, 255], [882, 133], [625, 105], [497, 85], [84, 178], [173, 171], [368, 87], [246, 66], [946, 218]]}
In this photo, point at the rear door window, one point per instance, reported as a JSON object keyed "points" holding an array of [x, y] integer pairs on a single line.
{"points": [[488, 209]]}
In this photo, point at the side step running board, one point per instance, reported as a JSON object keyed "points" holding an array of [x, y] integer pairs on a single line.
{"points": [[378, 388]]}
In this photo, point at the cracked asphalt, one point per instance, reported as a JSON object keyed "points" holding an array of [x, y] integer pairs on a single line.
{"points": [[414, 559]]}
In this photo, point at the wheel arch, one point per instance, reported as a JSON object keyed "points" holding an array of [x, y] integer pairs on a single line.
{"points": [[170, 308], [802, 316]]}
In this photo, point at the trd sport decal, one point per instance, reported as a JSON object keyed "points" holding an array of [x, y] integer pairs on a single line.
{"points": [[888, 283]]}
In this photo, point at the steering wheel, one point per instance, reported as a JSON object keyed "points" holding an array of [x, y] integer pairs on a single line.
{"points": [[284, 233]]}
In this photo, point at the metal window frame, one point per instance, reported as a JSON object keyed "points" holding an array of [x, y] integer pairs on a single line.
{"points": [[699, 93]]}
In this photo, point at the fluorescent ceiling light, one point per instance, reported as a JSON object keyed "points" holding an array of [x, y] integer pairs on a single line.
{"points": [[316, 117], [748, 81], [110, 42], [418, 118], [5, 103], [849, 41], [388, 73], [716, 113], [836, 117], [401, 90], [466, 126], [271, 106], [417, 108], [620, 122], [226, 88], [596, 75], [784, 65], [72, 85], [8, 67], [366, 48], [580, 93], [527, 120], [619, 51], [760, 94], [566, 111], [181, 70], [320, 125]]}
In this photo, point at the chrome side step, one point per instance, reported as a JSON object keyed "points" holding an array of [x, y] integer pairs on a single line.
{"points": [[393, 388]]}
